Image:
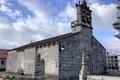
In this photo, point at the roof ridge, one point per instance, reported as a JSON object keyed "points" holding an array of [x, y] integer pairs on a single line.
{"points": [[48, 40]]}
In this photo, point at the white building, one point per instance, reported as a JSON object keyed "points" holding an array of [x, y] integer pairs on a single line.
{"points": [[113, 64]]}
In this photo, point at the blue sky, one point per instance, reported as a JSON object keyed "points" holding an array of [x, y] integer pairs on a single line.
{"points": [[24, 20]]}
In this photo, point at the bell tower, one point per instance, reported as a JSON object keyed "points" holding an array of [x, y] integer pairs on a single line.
{"points": [[84, 17]]}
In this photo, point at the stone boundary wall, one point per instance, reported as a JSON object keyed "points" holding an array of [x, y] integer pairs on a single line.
{"points": [[113, 73], [102, 77]]}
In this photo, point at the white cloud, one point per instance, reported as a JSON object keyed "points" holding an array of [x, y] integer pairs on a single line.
{"points": [[6, 33], [17, 13], [70, 11], [103, 14], [113, 44], [37, 27], [5, 7], [42, 20], [65, 17], [4, 23], [93, 1]]}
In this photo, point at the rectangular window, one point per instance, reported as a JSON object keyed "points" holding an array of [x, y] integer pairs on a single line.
{"points": [[20, 50], [116, 64], [115, 57], [111, 57], [117, 68], [116, 60]]}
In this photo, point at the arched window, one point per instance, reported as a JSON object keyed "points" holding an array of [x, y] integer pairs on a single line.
{"points": [[38, 57], [3, 62]]}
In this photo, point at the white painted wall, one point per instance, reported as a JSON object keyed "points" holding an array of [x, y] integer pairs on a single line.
{"points": [[29, 60], [26, 60], [50, 55], [21, 60], [11, 65]]}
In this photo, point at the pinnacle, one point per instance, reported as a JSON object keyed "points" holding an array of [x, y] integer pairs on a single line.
{"points": [[82, 2]]}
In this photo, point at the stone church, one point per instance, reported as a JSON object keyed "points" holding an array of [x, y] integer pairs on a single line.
{"points": [[60, 57]]}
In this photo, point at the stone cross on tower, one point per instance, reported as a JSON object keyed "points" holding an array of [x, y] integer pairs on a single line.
{"points": [[82, 1]]}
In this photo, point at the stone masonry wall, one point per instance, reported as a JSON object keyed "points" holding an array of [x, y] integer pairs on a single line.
{"points": [[98, 57], [70, 57], [71, 49]]}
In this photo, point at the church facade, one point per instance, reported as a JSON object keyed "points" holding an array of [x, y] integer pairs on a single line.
{"points": [[60, 58]]}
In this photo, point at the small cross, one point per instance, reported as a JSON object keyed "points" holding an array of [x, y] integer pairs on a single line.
{"points": [[79, 1]]}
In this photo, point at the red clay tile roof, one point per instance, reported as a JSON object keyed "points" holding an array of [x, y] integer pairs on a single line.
{"points": [[49, 40], [3, 54]]}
